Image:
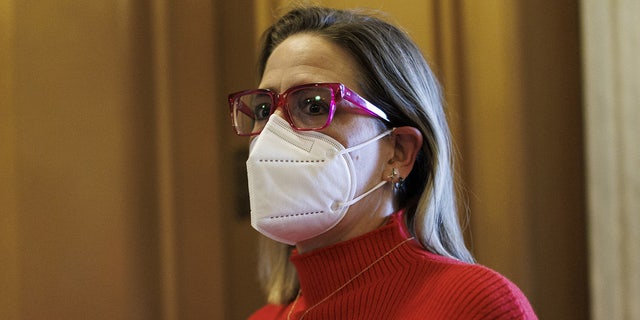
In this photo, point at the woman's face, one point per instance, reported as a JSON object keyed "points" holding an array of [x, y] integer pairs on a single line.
{"points": [[308, 58]]}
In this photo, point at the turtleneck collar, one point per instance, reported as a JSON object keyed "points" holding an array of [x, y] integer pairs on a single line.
{"points": [[323, 271]]}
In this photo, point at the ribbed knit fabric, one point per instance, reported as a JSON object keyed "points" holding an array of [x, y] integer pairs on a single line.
{"points": [[409, 283]]}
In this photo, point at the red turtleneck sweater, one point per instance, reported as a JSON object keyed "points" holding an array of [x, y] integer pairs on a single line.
{"points": [[407, 283]]}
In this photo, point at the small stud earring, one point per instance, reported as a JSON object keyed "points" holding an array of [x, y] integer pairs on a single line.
{"points": [[394, 173]]}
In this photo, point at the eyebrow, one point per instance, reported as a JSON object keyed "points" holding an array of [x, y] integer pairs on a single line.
{"points": [[294, 84]]}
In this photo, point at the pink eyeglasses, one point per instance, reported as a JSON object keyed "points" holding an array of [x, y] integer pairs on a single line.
{"points": [[307, 107]]}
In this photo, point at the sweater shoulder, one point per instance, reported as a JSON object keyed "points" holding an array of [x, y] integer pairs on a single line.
{"points": [[476, 290]]}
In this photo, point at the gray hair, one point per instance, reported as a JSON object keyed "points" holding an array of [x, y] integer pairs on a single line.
{"points": [[397, 79]]}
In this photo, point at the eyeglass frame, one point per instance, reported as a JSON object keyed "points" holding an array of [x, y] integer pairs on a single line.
{"points": [[339, 92]]}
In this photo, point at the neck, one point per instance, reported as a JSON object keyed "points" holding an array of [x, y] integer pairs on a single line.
{"points": [[322, 271]]}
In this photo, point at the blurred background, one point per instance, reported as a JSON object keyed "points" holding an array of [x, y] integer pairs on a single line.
{"points": [[122, 187]]}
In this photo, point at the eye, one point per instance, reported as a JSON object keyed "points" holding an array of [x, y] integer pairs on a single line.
{"points": [[313, 106], [262, 111]]}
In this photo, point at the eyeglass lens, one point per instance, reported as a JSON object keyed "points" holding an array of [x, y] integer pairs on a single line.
{"points": [[307, 108]]}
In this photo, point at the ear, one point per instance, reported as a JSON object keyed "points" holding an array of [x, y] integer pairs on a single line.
{"points": [[407, 143]]}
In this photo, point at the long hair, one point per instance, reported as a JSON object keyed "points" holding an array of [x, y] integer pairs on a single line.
{"points": [[396, 78]]}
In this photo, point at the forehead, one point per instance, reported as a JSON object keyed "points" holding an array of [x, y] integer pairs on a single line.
{"points": [[308, 58]]}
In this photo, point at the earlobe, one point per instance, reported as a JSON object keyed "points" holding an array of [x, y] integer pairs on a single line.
{"points": [[407, 144]]}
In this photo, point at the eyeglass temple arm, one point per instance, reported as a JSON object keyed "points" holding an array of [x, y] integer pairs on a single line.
{"points": [[242, 107], [368, 107]]}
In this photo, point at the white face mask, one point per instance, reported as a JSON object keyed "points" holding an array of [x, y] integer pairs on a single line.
{"points": [[301, 183]]}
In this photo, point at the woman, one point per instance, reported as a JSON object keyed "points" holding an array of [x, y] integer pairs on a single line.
{"points": [[350, 176]]}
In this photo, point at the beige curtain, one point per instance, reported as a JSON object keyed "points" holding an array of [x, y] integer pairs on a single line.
{"points": [[611, 44]]}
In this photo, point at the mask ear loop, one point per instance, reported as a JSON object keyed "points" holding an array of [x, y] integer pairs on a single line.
{"points": [[366, 143], [338, 205]]}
